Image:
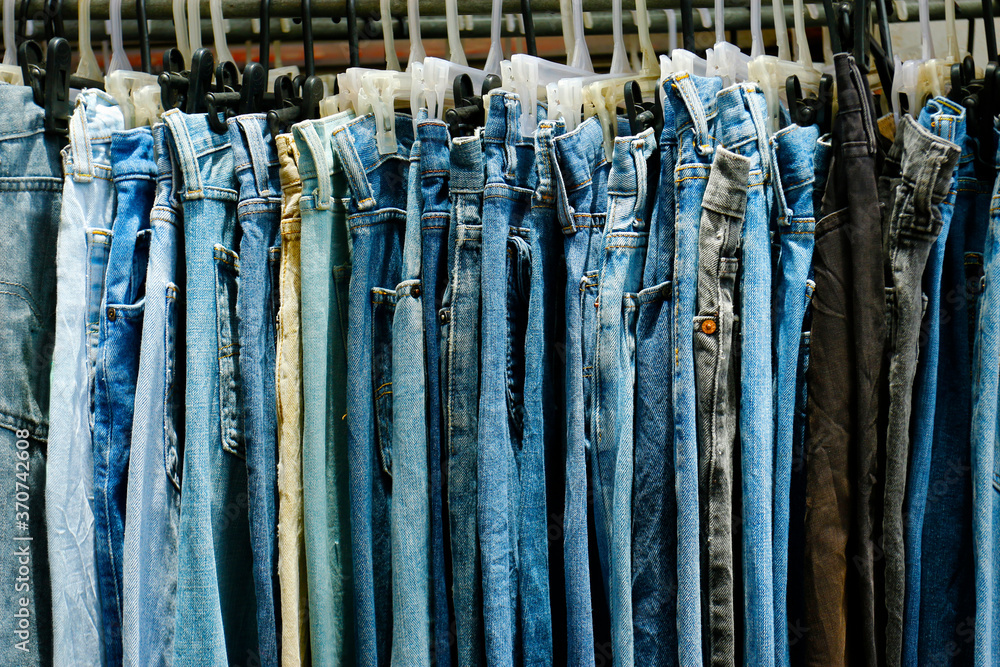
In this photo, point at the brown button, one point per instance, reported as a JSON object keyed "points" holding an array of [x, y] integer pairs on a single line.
{"points": [[415, 292], [112, 314], [708, 327]]}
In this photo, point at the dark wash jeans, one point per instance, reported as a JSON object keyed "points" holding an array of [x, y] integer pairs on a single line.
{"points": [[848, 336]]}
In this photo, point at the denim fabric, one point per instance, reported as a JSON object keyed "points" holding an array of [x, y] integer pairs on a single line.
{"points": [[506, 272], [947, 595], [693, 100], [582, 178], [376, 218], [459, 319], [946, 119], [258, 215], [410, 513], [216, 606], [291, 530], [326, 271], [795, 151], [716, 332], [626, 233], [117, 367], [435, 213], [925, 163], [654, 524], [153, 501], [88, 204], [985, 461]]}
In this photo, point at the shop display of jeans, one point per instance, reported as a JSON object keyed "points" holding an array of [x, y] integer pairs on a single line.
{"points": [[683, 384]]}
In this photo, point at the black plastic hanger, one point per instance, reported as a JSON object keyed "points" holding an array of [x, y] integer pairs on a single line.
{"points": [[199, 81], [687, 24], [352, 33], [811, 110], [140, 17], [529, 28], [173, 80], [469, 112], [298, 100]]}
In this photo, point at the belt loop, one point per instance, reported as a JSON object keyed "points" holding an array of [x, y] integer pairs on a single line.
{"points": [[79, 139], [688, 93], [175, 120], [353, 168], [317, 147], [259, 158]]}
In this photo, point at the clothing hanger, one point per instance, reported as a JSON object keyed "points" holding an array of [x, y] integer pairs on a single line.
{"points": [[727, 60], [180, 34], [293, 104], [456, 52], [10, 72], [619, 56], [495, 54], [684, 59], [417, 53], [135, 92], [581, 51], [219, 33], [87, 67]]}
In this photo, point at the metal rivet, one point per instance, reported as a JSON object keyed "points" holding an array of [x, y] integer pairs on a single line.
{"points": [[708, 327], [415, 292], [112, 314]]}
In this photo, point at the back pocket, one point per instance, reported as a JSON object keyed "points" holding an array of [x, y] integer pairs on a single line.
{"points": [[383, 309], [227, 280]]}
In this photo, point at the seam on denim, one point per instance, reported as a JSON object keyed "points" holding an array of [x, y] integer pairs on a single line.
{"points": [[21, 296]]}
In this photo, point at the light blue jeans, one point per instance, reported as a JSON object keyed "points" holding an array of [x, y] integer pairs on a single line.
{"points": [[87, 210]]}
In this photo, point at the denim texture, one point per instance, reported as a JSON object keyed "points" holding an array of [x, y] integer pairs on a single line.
{"points": [[376, 216], [693, 100], [626, 234], [117, 368], [258, 215], [795, 149], [88, 203], [716, 332], [434, 217], [410, 513], [326, 270], [985, 462], [946, 119], [216, 608], [654, 524], [292, 573], [152, 508], [582, 179], [459, 319]]}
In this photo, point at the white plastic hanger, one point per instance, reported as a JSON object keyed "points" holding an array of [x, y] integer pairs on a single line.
{"points": [[194, 25], [456, 52], [727, 60], [134, 91], [495, 55], [417, 53], [671, 29], [181, 30], [619, 57], [222, 53], [9, 71], [569, 39], [88, 67], [119, 61], [581, 52]]}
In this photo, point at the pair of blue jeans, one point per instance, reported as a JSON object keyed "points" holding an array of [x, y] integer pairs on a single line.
{"points": [[216, 610], [88, 203], [258, 216], [693, 100], [152, 508], [326, 275], [459, 322], [117, 368], [376, 217]]}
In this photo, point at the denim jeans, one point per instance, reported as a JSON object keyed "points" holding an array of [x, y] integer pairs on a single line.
{"points": [[87, 212], [946, 119], [117, 367], [985, 460], [152, 508], [693, 100], [326, 270], [795, 149], [434, 217], [258, 215], [376, 218], [30, 198], [459, 319], [288, 370], [582, 179], [716, 333], [410, 513], [654, 522], [216, 606], [626, 234]]}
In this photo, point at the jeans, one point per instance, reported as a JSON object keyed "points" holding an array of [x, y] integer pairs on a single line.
{"points": [[434, 217], [376, 218], [985, 461], [459, 319], [582, 178], [795, 150], [87, 212], [258, 215], [291, 530], [716, 332], [654, 525], [216, 608], [947, 120], [693, 100], [326, 270], [152, 509], [410, 513], [844, 369], [626, 234], [117, 367]]}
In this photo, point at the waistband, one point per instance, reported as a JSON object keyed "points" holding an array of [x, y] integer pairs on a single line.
{"points": [[21, 116], [316, 155], [94, 120], [628, 166], [377, 180], [856, 117], [468, 166], [578, 154], [693, 99], [288, 159], [165, 199], [256, 156], [204, 157], [926, 159], [545, 157], [946, 119], [132, 155], [433, 136], [796, 148], [742, 117]]}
